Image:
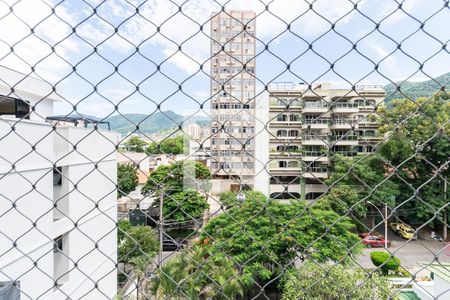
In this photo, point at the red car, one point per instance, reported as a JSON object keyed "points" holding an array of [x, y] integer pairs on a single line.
{"points": [[375, 241]]}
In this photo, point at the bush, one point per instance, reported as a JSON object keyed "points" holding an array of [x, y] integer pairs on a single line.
{"points": [[327, 281], [385, 261]]}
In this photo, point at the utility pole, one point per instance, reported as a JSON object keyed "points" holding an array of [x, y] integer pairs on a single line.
{"points": [[161, 222], [385, 226], [445, 210]]}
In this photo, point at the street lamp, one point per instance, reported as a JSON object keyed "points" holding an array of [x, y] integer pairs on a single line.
{"points": [[240, 197], [385, 221]]}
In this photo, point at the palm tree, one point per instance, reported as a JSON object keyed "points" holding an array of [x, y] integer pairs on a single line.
{"points": [[196, 274], [139, 268]]}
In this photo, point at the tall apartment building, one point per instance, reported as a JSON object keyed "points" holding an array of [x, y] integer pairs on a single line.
{"points": [[58, 206], [233, 99], [307, 126]]}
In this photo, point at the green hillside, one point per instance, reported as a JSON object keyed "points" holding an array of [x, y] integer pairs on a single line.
{"points": [[159, 121], [417, 89]]}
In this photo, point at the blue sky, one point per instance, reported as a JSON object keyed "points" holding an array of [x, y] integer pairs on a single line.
{"points": [[118, 49]]}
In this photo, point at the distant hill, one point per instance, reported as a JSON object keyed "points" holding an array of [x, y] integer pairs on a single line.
{"points": [[159, 121], [417, 89]]}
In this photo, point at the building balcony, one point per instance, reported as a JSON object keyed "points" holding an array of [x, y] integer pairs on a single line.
{"points": [[371, 139], [344, 140], [285, 123], [285, 105], [319, 108], [316, 172], [287, 153], [345, 108], [316, 124], [320, 140], [342, 124], [315, 156]]}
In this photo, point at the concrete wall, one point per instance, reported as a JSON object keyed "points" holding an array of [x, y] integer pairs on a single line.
{"points": [[85, 217]]}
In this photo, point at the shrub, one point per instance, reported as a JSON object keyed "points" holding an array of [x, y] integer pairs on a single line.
{"points": [[312, 281], [385, 261]]}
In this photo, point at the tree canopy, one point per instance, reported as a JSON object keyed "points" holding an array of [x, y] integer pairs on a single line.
{"points": [[182, 184], [138, 241], [263, 235], [135, 144], [173, 145], [127, 179], [197, 273], [314, 281], [176, 177], [417, 148]]}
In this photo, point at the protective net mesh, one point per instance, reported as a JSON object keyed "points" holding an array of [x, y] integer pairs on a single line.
{"points": [[205, 149]]}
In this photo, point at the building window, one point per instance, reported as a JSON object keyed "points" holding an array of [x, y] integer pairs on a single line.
{"points": [[58, 244], [14, 107], [282, 164], [281, 133], [57, 176], [293, 133]]}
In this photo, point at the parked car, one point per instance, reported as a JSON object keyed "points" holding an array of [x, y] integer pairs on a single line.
{"points": [[365, 234], [403, 230], [375, 241]]}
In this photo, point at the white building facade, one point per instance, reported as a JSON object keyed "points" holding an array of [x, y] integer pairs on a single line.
{"points": [[309, 125], [233, 99], [58, 207]]}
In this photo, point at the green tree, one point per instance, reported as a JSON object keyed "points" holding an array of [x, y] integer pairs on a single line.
{"points": [[366, 175], [266, 236], [184, 206], [174, 145], [176, 177], [138, 241], [140, 264], [418, 146], [344, 199], [182, 184], [314, 281], [135, 144], [123, 226], [198, 273], [127, 179], [385, 261], [229, 199]]}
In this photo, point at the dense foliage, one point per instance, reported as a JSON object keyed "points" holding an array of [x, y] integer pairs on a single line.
{"points": [[417, 147], [135, 144], [176, 177], [136, 242], [174, 145], [229, 199], [265, 235], [127, 179], [184, 206], [314, 281], [197, 273], [122, 228], [183, 185], [385, 261]]}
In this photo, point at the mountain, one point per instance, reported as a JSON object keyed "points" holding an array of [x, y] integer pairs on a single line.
{"points": [[159, 121], [417, 89]]}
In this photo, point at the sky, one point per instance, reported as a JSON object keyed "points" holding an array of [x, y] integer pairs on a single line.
{"points": [[96, 53]]}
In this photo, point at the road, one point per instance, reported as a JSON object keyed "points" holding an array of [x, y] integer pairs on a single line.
{"points": [[411, 253]]}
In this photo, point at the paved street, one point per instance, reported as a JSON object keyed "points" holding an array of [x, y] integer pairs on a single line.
{"points": [[410, 253]]}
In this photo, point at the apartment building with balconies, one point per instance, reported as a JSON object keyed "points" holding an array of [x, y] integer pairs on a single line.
{"points": [[233, 99], [307, 125]]}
